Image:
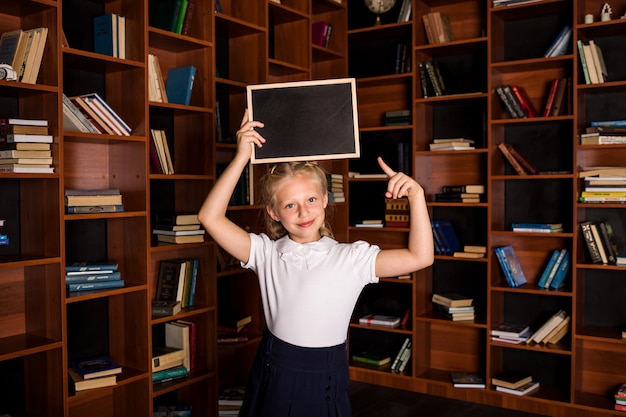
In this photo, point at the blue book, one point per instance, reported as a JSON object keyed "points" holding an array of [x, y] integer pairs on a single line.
{"points": [[105, 34], [93, 277], [450, 241], [504, 266], [179, 84], [95, 367], [546, 272], [514, 266], [555, 268], [609, 123], [561, 273], [88, 286], [87, 267]]}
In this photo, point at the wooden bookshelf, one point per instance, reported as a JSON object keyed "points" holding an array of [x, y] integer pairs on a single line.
{"points": [[494, 46]]}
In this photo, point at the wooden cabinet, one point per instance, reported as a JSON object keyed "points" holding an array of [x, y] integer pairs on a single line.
{"points": [[493, 46]]}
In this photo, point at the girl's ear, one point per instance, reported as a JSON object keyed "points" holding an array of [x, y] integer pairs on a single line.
{"points": [[272, 213], [325, 199]]}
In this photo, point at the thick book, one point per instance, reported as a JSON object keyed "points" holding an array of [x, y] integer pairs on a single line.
{"points": [[95, 367], [380, 320], [93, 277], [93, 200], [525, 389], [180, 239], [452, 299], [177, 336], [22, 137], [444, 230], [467, 380], [511, 379], [561, 272], [165, 308], [105, 33], [179, 84], [166, 357], [104, 208], [170, 280], [89, 267], [510, 265], [371, 359], [590, 242], [548, 269], [510, 329], [176, 218], [170, 374]]}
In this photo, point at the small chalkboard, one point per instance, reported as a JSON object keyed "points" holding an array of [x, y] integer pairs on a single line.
{"points": [[305, 120]]}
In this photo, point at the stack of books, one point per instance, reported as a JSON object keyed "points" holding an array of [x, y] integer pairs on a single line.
{"points": [[592, 62], [106, 200], [25, 146], [515, 383], [471, 251], [509, 332], [87, 276], [599, 239], [397, 212], [510, 265], [109, 35], [620, 398], [521, 164], [398, 118], [468, 193], [101, 115], [605, 132], [451, 144], [230, 400], [232, 327], [335, 188], [195, 235], [160, 156], [444, 237], [555, 272], [456, 307], [467, 380], [93, 372], [23, 51], [552, 330], [167, 363], [604, 190]]}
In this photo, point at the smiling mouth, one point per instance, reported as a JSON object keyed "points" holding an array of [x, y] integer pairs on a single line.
{"points": [[306, 224]]}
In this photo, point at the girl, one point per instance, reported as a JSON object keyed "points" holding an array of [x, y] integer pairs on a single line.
{"points": [[309, 282]]}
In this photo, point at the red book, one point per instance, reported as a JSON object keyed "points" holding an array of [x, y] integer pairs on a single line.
{"points": [[524, 101], [550, 100], [528, 166], [559, 98], [319, 31]]}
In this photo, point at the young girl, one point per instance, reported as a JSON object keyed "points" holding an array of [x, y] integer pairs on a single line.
{"points": [[309, 282]]}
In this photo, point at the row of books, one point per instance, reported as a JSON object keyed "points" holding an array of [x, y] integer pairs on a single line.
{"points": [[336, 193], [445, 238], [599, 240], [383, 361], [467, 193], [160, 156], [320, 33], [592, 62], [173, 15], [25, 146], [90, 113], [431, 81], [398, 117], [89, 276], [109, 35], [552, 330], [403, 58], [437, 27], [23, 51], [156, 84], [451, 144], [556, 270], [176, 282], [520, 163], [105, 200]]}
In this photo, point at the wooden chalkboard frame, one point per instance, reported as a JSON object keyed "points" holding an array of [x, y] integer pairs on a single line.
{"points": [[305, 120]]}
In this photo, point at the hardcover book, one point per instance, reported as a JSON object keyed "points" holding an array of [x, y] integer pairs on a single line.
{"points": [[95, 367], [179, 84], [510, 265], [380, 320], [467, 380]]}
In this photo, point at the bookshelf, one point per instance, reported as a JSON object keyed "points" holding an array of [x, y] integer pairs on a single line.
{"points": [[491, 47]]}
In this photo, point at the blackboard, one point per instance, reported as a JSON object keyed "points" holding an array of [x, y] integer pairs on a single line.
{"points": [[305, 120]]}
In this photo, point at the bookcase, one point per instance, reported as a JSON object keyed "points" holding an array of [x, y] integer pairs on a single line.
{"points": [[493, 46]]}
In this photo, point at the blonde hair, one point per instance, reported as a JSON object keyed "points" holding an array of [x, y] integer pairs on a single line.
{"points": [[271, 181]]}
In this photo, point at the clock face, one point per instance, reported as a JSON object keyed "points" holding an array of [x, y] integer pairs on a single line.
{"points": [[380, 6]]}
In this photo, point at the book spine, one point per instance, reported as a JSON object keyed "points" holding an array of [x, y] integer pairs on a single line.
{"points": [[596, 238], [506, 101], [605, 241], [559, 277], [514, 163], [517, 107], [78, 279], [505, 269], [546, 272], [556, 267], [528, 166], [590, 243], [169, 373], [398, 357]]}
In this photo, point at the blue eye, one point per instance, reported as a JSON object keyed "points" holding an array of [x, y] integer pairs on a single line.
{"points": [[312, 199]]}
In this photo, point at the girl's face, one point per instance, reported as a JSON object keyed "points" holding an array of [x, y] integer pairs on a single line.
{"points": [[300, 205]]}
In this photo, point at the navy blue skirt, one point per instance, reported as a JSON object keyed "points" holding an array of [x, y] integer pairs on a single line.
{"points": [[288, 380]]}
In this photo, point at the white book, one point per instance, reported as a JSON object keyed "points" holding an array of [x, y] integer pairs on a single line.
{"points": [[24, 137], [177, 336], [547, 327]]}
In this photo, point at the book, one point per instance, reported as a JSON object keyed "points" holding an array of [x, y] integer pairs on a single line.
{"points": [[95, 367], [95, 285], [465, 188], [560, 44], [180, 239], [23, 121], [380, 320], [35, 54], [170, 280], [398, 357], [598, 60], [178, 232], [467, 380], [105, 34], [607, 241], [176, 218], [511, 159], [590, 242], [528, 165], [320, 33], [444, 230], [402, 358], [543, 279], [93, 200], [166, 357], [170, 374], [177, 336], [511, 379], [583, 61], [93, 277], [26, 146], [451, 299], [106, 112], [524, 101], [537, 227], [371, 359], [231, 395], [559, 102], [165, 308], [25, 154], [106, 208], [179, 84], [510, 329], [12, 47], [18, 137], [558, 332], [81, 384], [234, 319], [23, 129], [510, 265], [90, 267], [561, 270], [525, 389]]}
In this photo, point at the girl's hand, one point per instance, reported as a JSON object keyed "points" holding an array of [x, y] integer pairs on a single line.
{"points": [[400, 184], [247, 137]]}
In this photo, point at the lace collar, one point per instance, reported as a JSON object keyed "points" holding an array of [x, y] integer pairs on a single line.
{"points": [[304, 255]]}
